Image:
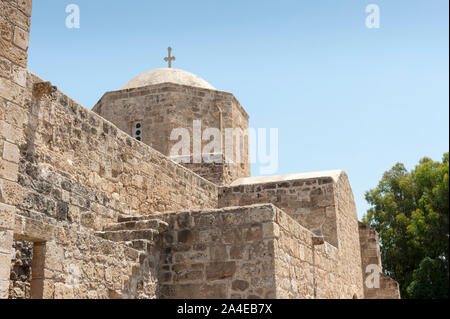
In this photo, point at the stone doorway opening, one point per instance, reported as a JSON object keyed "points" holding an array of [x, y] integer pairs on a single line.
{"points": [[27, 270]]}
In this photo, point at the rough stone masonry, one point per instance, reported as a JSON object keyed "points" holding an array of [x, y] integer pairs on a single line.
{"points": [[91, 206]]}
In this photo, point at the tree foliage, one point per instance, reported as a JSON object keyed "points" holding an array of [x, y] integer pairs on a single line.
{"points": [[410, 211]]}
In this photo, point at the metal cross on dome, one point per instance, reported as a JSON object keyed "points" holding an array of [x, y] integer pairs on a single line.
{"points": [[170, 58]]}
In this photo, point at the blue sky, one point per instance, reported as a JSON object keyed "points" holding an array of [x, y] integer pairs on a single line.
{"points": [[343, 96]]}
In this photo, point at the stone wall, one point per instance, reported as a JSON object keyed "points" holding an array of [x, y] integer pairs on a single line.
{"points": [[253, 252], [20, 283], [305, 265], [164, 107], [14, 37], [68, 169], [67, 175], [309, 201], [371, 256], [68, 263], [322, 203], [67, 166], [218, 254], [348, 238], [215, 170], [240, 166], [92, 155], [15, 34], [66, 172]]}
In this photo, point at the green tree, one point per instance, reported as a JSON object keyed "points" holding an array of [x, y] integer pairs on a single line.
{"points": [[410, 211], [430, 280]]}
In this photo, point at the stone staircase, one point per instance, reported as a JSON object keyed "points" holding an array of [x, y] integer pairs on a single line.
{"points": [[137, 232], [141, 234]]}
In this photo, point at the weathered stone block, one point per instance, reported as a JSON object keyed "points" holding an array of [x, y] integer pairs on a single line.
{"points": [[7, 215], [4, 288], [9, 132], [5, 265], [237, 252], [19, 76], [190, 276], [253, 233], [231, 219], [232, 235], [270, 230], [219, 253], [220, 270], [14, 14], [25, 6], [213, 291], [6, 30], [240, 285], [11, 152], [8, 170], [13, 53], [62, 291], [87, 219], [21, 38], [5, 67], [261, 214], [185, 237]]}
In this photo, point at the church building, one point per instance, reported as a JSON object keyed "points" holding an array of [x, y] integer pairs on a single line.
{"points": [[95, 204]]}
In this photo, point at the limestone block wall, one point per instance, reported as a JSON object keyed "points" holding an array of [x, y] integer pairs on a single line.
{"points": [[214, 171], [20, 281], [164, 107], [322, 204], [306, 269], [14, 37], [227, 253], [68, 263], [347, 230], [68, 167], [92, 155], [370, 255], [65, 172], [240, 167], [257, 251], [309, 201]]}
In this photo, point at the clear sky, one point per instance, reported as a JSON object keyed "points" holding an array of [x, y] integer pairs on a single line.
{"points": [[343, 96]]}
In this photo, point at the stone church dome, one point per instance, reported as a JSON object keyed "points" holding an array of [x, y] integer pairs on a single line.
{"points": [[168, 75]]}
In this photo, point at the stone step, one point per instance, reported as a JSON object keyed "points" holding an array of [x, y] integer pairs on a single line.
{"points": [[141, 245], [127, 218], [155, 224], [128, 235]]}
